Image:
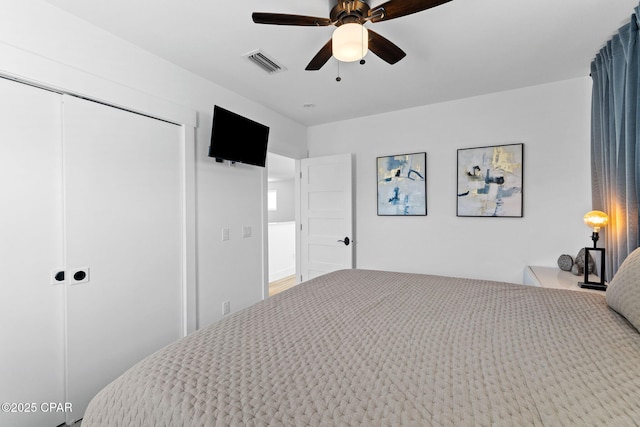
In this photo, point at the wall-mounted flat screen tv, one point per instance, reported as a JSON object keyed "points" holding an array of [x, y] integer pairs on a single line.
{"points": [[237, 138]]}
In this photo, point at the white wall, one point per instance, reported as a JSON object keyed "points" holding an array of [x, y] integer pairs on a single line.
{"points": [[553, 123], [282, 250], [107, 68], [285, 194]]}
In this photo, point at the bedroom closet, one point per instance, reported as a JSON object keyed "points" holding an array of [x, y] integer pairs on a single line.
{"points": [[95, 192]]}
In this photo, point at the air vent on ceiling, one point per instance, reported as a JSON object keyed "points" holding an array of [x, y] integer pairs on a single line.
{"points": [[268, 64]]}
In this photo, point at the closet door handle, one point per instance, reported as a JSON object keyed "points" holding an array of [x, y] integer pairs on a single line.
{"points": [[346, 241]]}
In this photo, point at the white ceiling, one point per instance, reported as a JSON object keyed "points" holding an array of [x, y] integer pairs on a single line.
{"points": [[460, 49]]}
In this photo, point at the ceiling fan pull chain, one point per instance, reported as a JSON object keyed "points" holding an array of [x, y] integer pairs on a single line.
{"points": [[362, 61], [338, 78]]}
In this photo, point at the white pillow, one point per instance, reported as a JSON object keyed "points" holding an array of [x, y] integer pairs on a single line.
{"points": [[623, 293]]}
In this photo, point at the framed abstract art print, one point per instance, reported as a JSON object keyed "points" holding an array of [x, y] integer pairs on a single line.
{"points": [[402, 185], [490, 181]]}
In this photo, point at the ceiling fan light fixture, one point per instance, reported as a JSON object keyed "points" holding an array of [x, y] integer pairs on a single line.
{"points": [[350, 42]]}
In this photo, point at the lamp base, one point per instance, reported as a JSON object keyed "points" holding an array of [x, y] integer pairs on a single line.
{"points": [[593, 285], [588, 284]]}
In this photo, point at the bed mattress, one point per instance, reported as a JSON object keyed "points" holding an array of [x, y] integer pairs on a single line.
{"points": [[372, 348]]}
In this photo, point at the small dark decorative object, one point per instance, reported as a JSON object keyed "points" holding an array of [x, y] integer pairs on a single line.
{"points": [[580, 260], [565, 262], [575, 270]]}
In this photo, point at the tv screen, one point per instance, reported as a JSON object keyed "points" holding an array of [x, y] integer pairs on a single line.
{"points": [[237, 138]]}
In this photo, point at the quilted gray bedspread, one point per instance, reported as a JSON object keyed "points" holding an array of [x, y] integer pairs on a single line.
{"points": [[371, 348]]}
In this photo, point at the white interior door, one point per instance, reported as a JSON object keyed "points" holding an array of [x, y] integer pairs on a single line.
{"points": [[326, 237], [123, 219], [31, 246]]}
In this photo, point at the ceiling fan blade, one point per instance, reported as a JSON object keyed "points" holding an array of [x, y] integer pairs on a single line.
{"points": [[285, 19], [384, 49], [321, 57], [396, 8]]}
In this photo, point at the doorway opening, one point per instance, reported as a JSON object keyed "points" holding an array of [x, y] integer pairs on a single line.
{"points": [[282, 199]]}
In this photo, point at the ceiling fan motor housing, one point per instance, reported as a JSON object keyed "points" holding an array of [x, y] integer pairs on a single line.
{"points": [[349, 11]]}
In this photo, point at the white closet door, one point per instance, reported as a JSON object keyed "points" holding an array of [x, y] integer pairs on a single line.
{"points": [[31, 307], [124, 223]]}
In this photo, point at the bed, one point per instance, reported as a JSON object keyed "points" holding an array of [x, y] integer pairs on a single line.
{"points": [[374, 348]]}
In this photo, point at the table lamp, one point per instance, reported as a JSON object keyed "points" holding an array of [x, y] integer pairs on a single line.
{"points": [[594, 220]]}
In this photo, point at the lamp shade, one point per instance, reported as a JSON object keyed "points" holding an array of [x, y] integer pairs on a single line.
{"points": [[350, 42], [596, 219]]}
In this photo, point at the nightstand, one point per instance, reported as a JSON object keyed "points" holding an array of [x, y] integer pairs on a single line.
{"points": [[553, 277]]}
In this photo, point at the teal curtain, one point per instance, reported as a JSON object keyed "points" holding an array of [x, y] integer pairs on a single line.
{"points": [[615, 133]]}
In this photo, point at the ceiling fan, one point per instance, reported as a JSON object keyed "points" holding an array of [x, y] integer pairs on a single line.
{"points": [[355, 13]]}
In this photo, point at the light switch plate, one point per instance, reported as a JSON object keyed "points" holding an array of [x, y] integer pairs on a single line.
{"points": [[246, 231], [225, 234]]}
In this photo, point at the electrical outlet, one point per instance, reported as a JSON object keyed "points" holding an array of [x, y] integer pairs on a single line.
{"points": [[246, 231], [226, 308]]}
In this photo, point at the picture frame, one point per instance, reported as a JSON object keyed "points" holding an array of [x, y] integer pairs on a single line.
{"points": [[490, 181], [402, 184]]}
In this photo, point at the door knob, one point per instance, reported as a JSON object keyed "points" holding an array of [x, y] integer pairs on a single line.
{"points": [[79, 275], [346, 241]]}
